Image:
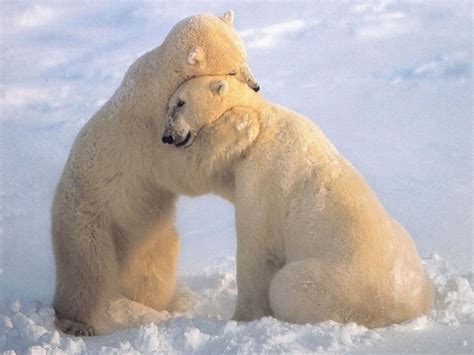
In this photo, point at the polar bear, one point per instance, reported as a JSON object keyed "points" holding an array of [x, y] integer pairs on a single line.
{"points": [[314, 243], [113, 215]]}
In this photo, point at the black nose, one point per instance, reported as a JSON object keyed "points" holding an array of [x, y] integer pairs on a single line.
{"points": [[256, 88], [167, 139]]}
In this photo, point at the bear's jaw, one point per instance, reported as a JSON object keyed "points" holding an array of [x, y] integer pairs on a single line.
{"points": [[178, 141], [186, 142]]}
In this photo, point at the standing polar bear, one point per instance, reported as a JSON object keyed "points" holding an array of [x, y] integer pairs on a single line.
{"points": [[313, 241], [113, 216]]}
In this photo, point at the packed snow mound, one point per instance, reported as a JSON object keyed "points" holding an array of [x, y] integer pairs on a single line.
{"points": [[201, 325]]}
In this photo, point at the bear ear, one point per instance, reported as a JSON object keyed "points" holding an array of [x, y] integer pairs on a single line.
{"points": [[219, 87], [228, 18], [195, 55]]}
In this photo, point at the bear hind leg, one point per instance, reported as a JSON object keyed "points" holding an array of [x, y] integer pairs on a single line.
{"points": [[86, 278], [308, 291]]}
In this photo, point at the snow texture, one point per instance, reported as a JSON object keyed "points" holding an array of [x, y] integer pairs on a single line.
{"points": [[27, 327], [389, 82]]}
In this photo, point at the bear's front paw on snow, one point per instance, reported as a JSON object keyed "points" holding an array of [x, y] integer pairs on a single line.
{"points": [[75, 328], [250, 313]]}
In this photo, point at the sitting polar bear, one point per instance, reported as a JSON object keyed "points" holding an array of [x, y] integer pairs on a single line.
{"points": [[313, 241], [113, 216]]}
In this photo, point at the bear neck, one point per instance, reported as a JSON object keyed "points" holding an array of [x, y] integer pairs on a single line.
{"points": [[146, 88], [135, 114]]}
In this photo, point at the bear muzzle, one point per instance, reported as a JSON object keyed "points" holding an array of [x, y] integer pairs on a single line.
{"points": [[179, 141], [167, 139], [247, 77], [254, 86]]}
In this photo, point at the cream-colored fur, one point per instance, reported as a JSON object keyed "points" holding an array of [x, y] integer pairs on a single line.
{"points": [[113, 216], [313, 241]]}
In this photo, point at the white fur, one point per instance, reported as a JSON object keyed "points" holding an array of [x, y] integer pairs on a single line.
{"points": [[113, 216], [313, 241]]}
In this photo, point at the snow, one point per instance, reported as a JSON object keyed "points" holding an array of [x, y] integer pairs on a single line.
{"points": [[389, 82], [203, 325]]}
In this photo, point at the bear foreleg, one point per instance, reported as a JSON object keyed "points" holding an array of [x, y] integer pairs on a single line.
{"points": [[150, 275]]}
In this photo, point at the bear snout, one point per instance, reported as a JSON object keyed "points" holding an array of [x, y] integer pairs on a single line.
{"points": [[247, 77], [167, 139]]}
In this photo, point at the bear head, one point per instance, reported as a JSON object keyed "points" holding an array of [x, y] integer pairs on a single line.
{"points": [[202, 102], [208, 45]]}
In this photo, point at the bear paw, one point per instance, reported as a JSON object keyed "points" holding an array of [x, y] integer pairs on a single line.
{"points": [[75, 328]]}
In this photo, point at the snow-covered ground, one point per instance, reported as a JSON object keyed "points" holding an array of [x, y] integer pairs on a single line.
{"points": [[389, 82], [203, 325]]}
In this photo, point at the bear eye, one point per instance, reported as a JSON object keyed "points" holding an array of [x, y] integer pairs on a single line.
{"points": [[233, 72], [180, 103]]}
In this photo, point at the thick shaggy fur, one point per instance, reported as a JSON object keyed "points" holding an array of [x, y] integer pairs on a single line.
{"points": [[313, 241], [113, 216]]}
